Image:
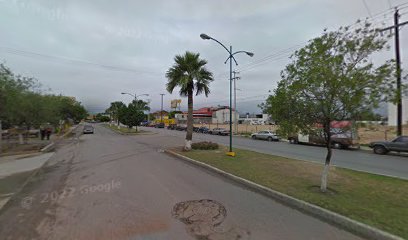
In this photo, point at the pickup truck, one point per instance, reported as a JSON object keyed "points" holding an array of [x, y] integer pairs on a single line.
{"points": [[400, 144], [343, 135]]}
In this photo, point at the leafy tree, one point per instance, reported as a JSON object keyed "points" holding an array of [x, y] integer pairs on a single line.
{"points": [[114, 110], [132, 115], [102, 118], [23, 105], [190, 74], [329, 79], [172, 114], [12, 89], [141, 105]]}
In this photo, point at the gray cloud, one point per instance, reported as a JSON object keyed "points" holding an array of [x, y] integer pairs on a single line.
{"points": [[145, 37]]}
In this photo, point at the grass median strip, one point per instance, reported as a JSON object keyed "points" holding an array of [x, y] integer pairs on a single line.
{"points": [[375, 200], [130, 131]]}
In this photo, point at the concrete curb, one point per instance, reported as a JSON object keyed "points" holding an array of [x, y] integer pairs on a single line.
{"points": [[346, 223], [50, 146]]}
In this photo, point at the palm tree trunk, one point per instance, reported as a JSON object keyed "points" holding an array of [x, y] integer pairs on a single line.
{"points": [[325, 173], [189, 134]]}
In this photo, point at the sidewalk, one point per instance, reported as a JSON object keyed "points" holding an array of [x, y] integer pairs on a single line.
{"points": [[16, 170], [10, 165]]}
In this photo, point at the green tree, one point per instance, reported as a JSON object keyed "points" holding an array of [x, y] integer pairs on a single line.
{"points": [[141, 105], [114, 110], [191, 76], [172, 114], [132, 115], [102, 118], [329, 79]]}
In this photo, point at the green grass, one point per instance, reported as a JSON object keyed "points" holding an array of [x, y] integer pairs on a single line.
{"points": [[124, 130], [376, 200]]}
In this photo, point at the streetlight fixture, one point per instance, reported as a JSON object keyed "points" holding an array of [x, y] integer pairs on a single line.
{"points": [[134, 95], [230, 58]]}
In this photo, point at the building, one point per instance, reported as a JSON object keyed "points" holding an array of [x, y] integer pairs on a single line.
{"points": [[207, 115], [392, 113], [255, 119], [222, 115], [159, 114]]}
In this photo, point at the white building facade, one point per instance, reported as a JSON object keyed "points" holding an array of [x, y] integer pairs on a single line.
{"points": [[222, 116], [392, 113]]}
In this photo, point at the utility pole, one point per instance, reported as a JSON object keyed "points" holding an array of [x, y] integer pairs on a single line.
{"points": [[161, 111], [235, 101], [398, 62], [148, 114]]}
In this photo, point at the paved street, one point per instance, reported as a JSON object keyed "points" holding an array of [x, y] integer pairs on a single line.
{"points": [[392, 164], [111, 186]]}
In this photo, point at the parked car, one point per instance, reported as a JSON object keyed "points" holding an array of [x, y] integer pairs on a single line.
{"points": [[344, 135], [88, 129], [159, 125], [144, 124], [195, 129], [265, 135], [181, 128], [203, 130], [219, 131], [172, 126], [33, 133], [400, 144]]}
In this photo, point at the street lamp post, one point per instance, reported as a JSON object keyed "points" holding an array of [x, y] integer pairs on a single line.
{"points": [[230, 58], [136, 96], [161, 111]]}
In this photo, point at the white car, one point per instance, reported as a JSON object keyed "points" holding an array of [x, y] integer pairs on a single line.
{"points": [[265, 135]]}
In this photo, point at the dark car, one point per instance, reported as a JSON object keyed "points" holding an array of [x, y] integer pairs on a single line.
{"points": [[88, 129], [400, 144], [172, 127], [160, 125], [203, 130], [195, 129], [181, 128]]}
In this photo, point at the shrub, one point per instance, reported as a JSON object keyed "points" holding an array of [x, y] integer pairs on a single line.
{"points": [[204, 146]]}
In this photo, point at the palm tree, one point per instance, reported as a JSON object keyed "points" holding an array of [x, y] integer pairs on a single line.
{"points": [[189, 73], [114, 109]]}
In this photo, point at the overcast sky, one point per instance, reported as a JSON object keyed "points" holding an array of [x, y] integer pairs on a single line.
{"points": [[94, 50]]}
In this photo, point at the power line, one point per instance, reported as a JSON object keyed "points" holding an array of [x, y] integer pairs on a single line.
{"points": [[282, 54], [65, 60], [366, 6]]}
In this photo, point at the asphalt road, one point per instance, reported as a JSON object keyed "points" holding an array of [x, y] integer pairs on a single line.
{"points": [[111, 186], [361, 160]]}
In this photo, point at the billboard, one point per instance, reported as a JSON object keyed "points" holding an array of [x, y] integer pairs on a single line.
{"points": [[175, 103]]}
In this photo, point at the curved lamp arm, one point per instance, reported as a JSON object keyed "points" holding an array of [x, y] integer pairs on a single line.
{"points": [[232, 55], [206, 37]]}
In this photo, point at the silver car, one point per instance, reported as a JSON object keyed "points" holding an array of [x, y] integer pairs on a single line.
{"points": [[219, 131], [265, 135], [88, 129]]}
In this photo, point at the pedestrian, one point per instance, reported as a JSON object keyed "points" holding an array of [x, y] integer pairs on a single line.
{"points": [[48, 132], [42, 132]]}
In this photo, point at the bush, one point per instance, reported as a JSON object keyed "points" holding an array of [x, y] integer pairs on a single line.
{"points": [[204, 146]]}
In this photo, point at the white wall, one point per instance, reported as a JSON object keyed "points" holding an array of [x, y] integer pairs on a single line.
{"points": [[223, 115], [392, 113]]}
